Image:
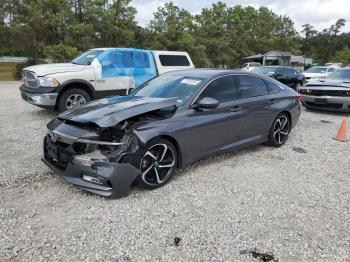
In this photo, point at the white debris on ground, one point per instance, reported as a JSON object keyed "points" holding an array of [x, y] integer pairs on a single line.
{"points": [[253, 204]]}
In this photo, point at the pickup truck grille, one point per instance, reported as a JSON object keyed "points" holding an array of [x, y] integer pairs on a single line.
{"points": [[30, 79]]}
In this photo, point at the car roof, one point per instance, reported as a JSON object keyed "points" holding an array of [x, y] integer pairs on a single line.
{"points": [[278, 66], [206, 72]]}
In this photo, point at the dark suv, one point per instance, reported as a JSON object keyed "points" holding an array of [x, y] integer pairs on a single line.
{"points": [[285, 74]]}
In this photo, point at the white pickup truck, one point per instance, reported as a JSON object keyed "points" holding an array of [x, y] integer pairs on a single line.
{"points": [[95, 74]]}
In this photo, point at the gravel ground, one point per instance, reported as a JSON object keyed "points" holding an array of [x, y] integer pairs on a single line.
{"points": [[233, 207]]}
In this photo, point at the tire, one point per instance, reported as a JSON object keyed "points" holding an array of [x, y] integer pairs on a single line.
{"points": [[157, 162], [279, 130], [71, 98]]}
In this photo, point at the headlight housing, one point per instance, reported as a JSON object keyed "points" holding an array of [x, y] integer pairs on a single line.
{"points": [[48, 82]]}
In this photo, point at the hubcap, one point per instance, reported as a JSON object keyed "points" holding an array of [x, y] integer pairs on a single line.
{"points": [[75, 100], [281, 130], [157, 164]]}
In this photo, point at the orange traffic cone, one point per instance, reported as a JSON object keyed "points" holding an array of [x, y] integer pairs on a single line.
{"points": [[341, 136]]}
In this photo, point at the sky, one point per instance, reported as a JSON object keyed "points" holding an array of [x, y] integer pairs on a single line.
{"points": [[319, 13]]}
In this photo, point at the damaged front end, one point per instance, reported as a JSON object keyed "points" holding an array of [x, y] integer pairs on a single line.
{"points": [[101, 160]]}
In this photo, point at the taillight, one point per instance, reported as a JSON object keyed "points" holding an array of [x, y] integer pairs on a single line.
{"points": [[298, 97]]}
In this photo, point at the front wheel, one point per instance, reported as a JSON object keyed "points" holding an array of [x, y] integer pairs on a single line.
{"points": [[158, 163], [279, 130], [72, 98]]}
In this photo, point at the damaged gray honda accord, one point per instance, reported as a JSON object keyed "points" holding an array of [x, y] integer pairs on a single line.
{"points": [[179, 117]]}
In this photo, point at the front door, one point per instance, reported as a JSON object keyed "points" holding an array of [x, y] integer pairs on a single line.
{"points": [[241, 117]]}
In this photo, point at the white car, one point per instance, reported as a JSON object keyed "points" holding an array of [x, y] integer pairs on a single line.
{"points": [[95, 74], [250, 66], [318, 72]]}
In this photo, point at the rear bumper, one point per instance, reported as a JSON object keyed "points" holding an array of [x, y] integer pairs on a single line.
{"points": [[329, 103], [43, 97]]}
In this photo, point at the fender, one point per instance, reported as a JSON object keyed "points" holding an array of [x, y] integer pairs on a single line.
{"points": [[86, 85]]}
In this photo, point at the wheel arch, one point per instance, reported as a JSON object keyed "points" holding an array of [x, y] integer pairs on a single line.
{"points": [[175, 143], [76, 83], [289, 115]]}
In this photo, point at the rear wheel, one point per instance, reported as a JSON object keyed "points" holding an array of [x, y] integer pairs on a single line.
{"points": [[279, 130], [157, 162], [72, 98]]}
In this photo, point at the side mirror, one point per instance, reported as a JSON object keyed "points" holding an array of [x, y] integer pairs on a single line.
{"points": [[207, 103]]}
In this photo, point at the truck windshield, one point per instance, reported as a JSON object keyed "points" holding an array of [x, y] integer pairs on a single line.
{"points": [[341, 74], [87, 57], [319, 70], [168, 86], [265, 70]]}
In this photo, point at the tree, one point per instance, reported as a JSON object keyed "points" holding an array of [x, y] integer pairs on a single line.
{"points": [[342, 56], [172, 29]]}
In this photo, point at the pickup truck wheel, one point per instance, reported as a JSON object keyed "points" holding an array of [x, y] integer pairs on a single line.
{"points": [[72, 98]]}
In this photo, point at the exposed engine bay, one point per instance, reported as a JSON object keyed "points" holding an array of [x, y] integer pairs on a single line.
{"points": [[107, 144], [100, 155]]}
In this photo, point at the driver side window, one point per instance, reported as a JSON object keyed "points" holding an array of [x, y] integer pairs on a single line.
{"points": [[222, 89]]}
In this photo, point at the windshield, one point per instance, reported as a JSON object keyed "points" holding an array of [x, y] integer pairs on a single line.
{"points": [[341, 74], [87, 57], [319, 70], [168, 86], [265, 70]]}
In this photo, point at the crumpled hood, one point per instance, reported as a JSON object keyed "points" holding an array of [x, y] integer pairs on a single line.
{"points": [[330, 82], [46, 69], [109, 112]]}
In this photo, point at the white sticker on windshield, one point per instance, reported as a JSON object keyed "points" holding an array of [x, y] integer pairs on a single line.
{"points": [[190, 81]]}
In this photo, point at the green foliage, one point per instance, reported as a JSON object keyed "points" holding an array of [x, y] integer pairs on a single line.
{"points": [[219, 36], [17, 73], [342, 56], [60, 52]]}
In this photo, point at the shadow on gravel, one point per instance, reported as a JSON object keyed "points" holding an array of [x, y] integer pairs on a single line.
{"points": [[42, 114], [325, 112], [219, 158]]}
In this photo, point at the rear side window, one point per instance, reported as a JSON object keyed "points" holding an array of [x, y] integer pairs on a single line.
{"points": [[173, 60], [282, 71], [273, 88], [250, 86], [292, 72], [331, 70], [223, 89]]}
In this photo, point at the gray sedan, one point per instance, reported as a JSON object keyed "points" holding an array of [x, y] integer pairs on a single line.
{"points": [[331, 93], [167, 123]]}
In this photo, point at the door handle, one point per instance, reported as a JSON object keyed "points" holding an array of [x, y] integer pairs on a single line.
{"points": [[235, 109], [272, 101]]}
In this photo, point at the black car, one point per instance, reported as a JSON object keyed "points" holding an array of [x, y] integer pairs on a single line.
{"points": [[167, 123], [284, 74]]}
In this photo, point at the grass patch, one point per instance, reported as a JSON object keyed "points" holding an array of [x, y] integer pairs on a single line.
{"points": [[6, 70]]}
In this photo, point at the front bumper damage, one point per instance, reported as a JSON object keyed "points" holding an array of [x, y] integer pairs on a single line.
{"points": [[97, 149], [116, 178], [79, 161], [106, 179]]}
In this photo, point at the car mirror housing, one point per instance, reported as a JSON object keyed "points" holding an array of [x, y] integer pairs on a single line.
{"points": [[207, 103]]}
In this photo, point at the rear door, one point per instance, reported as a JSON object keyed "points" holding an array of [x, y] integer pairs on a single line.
{"points": [[281, 75], [292, 77]]}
